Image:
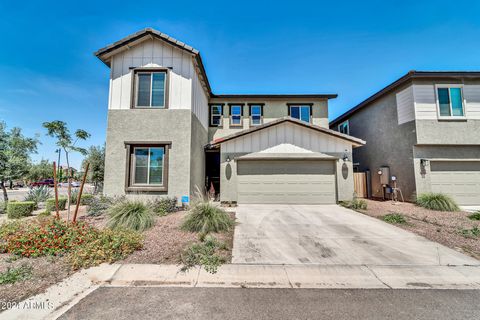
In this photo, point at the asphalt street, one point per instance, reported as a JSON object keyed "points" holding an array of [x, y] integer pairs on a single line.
{"points": [[221, 303]]}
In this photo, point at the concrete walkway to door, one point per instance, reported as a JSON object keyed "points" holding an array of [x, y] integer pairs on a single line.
{"points": [[330, 235]]}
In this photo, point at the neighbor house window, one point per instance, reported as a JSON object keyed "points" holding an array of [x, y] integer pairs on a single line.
{"points": [[236, 113], [150, 89], [344, 127], [147, 167], [216, 114], [301, 112], [450, 101], [256, 114]]}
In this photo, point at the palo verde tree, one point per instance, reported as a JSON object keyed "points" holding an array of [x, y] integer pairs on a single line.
{"points": [[59, 130], [15, 150], [96, 158]]}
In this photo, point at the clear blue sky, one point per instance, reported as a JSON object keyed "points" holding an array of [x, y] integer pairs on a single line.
{"points": [[353, 48]]}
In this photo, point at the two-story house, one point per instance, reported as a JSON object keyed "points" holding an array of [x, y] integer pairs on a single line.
{"points": [[168, 133], [425, 129]]}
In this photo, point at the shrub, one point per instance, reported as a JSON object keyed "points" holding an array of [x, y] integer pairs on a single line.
{"points": [[38, 194], [84, 245], [470, 233], [204, 254], [3, 207], [437, 201], [394, 218], [205, 217], [474, 216], [134, 215], [50, 204], [355, 204], [8, 228], [16, 210], [99, 205], [13, 275], [109, 246], [84, 200], [163, 206]]}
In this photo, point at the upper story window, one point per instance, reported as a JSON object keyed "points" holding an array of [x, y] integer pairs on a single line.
{"points": [[301, 112], [236, 113], [450, 101], [256, 114], [216, 115], [344, 127], [150, 89]]}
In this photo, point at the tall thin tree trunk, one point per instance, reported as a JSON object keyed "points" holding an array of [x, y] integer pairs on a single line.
{"points": [[69, 192], [5, 194]]}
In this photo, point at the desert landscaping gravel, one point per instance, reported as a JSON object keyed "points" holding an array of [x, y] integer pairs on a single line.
{"points": [[439, 226]]}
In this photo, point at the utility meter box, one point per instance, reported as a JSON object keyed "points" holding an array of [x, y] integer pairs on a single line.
{"points": [[384, 175]]}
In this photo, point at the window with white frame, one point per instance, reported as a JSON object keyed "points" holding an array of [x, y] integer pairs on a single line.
{"points": [[236, 112], [148, 166], [344, 127], [301, 112], [216, 115], [150, 89], [256, 114], [450, 101]]}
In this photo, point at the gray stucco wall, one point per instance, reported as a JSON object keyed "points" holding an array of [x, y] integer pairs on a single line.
{"points": [[388, 144], [448, 132], [422, 173], [152, 126], [199, 138]]}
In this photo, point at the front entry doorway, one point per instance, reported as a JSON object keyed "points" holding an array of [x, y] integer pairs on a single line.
{"points": [[212, 171]]}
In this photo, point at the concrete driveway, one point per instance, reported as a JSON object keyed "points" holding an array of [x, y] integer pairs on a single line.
{"points": [[330, 235]]}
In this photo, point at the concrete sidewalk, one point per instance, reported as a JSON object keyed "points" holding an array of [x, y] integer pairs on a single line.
{"points": [[61, 297]]}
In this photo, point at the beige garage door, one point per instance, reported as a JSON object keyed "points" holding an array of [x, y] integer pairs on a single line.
{"points": [[459, 179], [286, 181]]}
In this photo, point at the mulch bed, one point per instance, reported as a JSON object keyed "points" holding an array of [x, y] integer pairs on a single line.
{"points": [[439, 226]]}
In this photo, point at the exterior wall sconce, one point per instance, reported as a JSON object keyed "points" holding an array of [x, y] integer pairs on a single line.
{"points": [[228, 159], [424, 162], [345, 156]]}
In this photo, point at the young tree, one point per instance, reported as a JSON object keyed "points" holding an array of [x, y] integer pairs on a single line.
{"points": [[40, 171], [15, 150], [96, 158], [59, 130]]}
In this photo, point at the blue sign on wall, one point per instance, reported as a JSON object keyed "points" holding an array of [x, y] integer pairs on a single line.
{"points": [[185, 199]]}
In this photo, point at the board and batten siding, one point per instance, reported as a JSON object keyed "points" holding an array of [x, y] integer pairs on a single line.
{"points": [[286, 133], [426, 101], [405, 106], [184, 90]]}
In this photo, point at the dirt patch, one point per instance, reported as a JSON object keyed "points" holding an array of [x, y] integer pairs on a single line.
{"points": [[46, 271], [165, 242], [439, 226]]}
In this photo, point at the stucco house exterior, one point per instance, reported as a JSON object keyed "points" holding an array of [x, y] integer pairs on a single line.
{"points": [[425, 129], [168, 133]]}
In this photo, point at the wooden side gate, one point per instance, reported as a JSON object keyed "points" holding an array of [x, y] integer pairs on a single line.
{"points": [[360, 184]]}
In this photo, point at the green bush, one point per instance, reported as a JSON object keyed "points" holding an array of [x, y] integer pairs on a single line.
{"points": [[38, 194], [355, 204], [471, 233], [83, 244], [50, 204], [99, 205], [474, 216], [206, 254], [437, 201], [394, 218], [205, 217], [86, 199], [3, 207], [13, 275], [16, 210], [134, 215], [163, 206]]}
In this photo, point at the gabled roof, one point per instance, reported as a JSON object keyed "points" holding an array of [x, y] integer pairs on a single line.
{"points": [[355, 141], [105, 53], [406, 78]]}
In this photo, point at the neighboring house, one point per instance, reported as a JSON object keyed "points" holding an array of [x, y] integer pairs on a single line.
{"points": [[168, 133], [425, 127]]}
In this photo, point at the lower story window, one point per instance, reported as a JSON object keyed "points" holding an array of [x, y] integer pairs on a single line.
{"points": [[148, 167]]}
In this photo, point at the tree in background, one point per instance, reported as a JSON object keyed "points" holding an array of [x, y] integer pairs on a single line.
{"points": [[40, 171], [15, 150], [96, 158], [59, 130]]}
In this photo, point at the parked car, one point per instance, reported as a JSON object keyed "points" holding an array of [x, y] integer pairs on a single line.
{"points": [[45, 182], [74, 184]]}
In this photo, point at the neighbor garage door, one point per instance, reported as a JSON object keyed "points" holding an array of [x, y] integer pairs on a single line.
{"points": [[286, 181], [459, 179]]}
